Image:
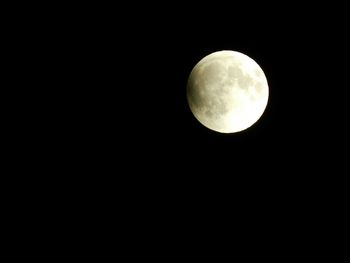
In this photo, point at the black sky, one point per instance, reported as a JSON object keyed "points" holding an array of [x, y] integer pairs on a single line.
{"points": [[117, 141], [132, 104]]}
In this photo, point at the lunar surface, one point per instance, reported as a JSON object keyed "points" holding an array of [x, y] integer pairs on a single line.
{"points": [[227, 91]]}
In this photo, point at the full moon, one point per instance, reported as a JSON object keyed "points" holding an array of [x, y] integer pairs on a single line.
{"points": [[227, 91]]}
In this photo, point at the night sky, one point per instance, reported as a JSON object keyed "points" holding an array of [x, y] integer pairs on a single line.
{"points": [[133, 115], [129, 142]]}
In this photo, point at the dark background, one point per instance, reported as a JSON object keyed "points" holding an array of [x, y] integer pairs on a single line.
{"points": [[122, 78], [138, 135], [129, 87], [110, 128]]}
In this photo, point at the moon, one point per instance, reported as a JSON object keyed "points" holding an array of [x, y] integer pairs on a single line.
{"points": [[227, 91]]}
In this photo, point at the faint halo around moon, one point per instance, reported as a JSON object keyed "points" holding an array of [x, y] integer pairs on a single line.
{"points": [[227, 91]]}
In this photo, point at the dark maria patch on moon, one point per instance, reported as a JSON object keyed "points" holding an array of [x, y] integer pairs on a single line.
{"points": [[211, 74], [234, 72], [245, 81]]}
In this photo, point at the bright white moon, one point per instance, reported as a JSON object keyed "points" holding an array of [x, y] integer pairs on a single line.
{"points": [[227, 91]]}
